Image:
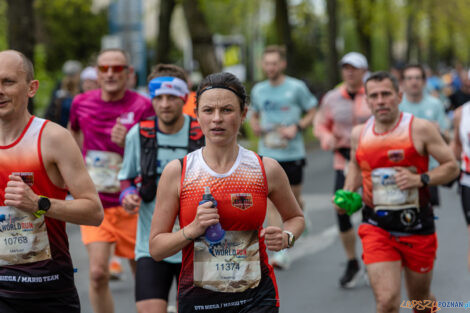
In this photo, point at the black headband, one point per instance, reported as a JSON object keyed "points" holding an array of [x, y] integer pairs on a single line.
{"points": [[221, 87]]}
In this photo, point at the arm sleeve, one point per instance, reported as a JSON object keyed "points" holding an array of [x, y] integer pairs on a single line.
{"points": [[131, 163]]}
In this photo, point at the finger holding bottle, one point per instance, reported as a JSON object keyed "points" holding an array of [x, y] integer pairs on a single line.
{"points": [[206, 216], [20, 195]]}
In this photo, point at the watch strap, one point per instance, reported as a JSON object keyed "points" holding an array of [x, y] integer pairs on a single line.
{"points": [[424, 179], [39, 213]]}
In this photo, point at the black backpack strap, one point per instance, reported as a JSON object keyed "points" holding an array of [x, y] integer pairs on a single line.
{"points": [[149, 152], [148, 158]]}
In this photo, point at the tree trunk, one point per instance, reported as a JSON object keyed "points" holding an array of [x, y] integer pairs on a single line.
{"points": [[284, 30], [364, 26], [164, 40], [20, 15], [432, 57], [201, 38], [389, 35], [332, 54], [450, 51], [410, 37]]}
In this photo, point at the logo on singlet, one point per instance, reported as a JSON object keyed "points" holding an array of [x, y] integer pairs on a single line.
{"points": [[396, 155], [242, 201], [27, 177], [408, 217], [127, 118]]}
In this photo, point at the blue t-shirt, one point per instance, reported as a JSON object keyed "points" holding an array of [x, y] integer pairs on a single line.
{"points": [[131, 169], [431, 109], [281, 105]]}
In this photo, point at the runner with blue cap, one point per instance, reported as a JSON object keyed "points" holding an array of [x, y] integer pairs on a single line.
{"points": [[149, 147]]}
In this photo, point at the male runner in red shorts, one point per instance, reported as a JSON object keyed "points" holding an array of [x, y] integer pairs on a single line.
{"points": [[391, 152]]}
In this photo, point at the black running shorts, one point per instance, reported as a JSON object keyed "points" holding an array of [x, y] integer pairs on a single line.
{"points": [[294, 171], [68, 303], [153, 279]]}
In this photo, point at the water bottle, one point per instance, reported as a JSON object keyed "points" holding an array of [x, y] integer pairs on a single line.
{"points": [[214, 233]]}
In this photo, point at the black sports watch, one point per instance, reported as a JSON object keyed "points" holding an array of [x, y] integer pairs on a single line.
{"points": [[425, 179], [290, 239], [44, 204]]}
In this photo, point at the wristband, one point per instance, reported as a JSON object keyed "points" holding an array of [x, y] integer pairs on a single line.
{"points": [[186, 237], [129, 190], [299, 129]]}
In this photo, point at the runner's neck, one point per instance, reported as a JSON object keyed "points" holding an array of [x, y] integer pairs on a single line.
{"points": [[220, 160], [11, 129], [354, 89], [171, 128], [112, 97], [381, 128], [414, 98], [278, 80]]}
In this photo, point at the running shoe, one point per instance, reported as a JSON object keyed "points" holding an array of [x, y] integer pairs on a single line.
{"points": [[351, 275], [115, 269], [280, 260]]}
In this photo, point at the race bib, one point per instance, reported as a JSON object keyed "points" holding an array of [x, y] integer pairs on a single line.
{"points": [[103, 167], [387, 196], [274, 140], [233, 265], [23, 237]]}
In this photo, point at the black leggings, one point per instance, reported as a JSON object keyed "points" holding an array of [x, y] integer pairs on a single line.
{"points": [[465, 198], [344, 221]]}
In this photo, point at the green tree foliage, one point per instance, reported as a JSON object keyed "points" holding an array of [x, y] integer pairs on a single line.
{"points": [[3, 25], [69, 29]]}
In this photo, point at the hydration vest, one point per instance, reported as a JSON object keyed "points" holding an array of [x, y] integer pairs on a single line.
{"points": [[149, 153]]}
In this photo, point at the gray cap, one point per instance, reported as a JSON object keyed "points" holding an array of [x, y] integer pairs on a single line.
{"points": [[71, 67], [355, 59]]}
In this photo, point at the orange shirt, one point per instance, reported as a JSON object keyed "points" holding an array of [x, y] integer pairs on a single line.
{"points": [[190, 104]]}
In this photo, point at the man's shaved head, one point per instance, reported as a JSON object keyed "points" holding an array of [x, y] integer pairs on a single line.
{"points": [[27, 64]]}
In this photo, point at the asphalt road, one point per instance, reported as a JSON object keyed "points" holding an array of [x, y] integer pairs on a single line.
{"points": [[311, 283]]}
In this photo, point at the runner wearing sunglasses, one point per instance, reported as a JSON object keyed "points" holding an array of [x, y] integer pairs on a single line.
{"points": [[99, 121]]}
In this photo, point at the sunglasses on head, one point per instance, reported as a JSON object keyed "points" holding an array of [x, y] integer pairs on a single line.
{"points": [[114, 68]]}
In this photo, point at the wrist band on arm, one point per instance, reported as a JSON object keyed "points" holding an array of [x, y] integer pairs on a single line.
{"points": [[299, 128], [186, 237], [129, 190]]}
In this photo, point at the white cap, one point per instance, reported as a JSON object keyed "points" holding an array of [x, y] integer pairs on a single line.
{"points": [[355, 59], [71, 67], [89, 73]]}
